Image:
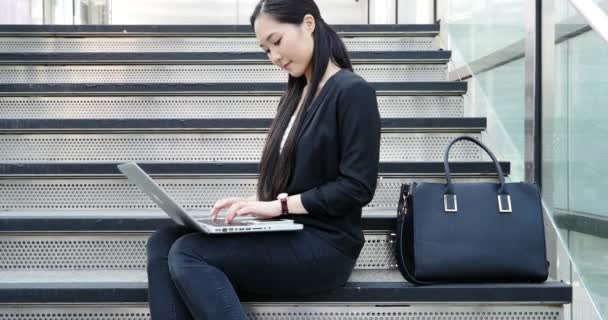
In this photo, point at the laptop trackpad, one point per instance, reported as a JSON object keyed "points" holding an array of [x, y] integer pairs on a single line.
{"points": [[259, 221]]}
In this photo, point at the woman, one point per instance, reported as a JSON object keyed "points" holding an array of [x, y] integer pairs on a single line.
{"points": [[322, 150]]}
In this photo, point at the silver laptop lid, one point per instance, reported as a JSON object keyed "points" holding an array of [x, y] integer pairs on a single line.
{"points": [[139, 177]]}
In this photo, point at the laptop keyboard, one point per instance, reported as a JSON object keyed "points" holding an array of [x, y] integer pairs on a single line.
{"points": [[220, 223]]}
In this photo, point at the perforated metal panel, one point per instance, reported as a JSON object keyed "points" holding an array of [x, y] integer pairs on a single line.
{"points": [[15, 276], [73, 252], [193, 44], [378, 252], [301, 312], [95, 275], [426, 147], [233, 107], [117, 193], [246, 147], [128, 252], [164, 107], [74, 312], [203, 73], [422, 106], [429, 312], [191, 193]]}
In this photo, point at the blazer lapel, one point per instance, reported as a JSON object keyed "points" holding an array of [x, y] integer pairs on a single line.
{"points": [[310, 113]]}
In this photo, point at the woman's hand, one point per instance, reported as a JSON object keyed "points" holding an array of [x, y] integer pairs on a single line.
{"points": [[245, 207]]}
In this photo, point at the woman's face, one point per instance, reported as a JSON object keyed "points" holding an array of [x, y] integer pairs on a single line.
{"points": [[287, 46]]}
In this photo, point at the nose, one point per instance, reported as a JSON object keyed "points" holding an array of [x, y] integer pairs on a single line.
{"points": [[276, 58]]}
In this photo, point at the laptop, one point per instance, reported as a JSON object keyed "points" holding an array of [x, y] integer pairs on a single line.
{"points": [[240, 225]]}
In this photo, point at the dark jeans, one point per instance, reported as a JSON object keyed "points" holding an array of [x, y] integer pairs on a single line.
{"points": [[192, 275]]}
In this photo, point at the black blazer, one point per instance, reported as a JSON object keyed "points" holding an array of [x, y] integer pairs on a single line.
{"points": [[336, 160]]}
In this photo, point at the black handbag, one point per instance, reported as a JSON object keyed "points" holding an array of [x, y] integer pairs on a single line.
{"points": [[470, 232]]}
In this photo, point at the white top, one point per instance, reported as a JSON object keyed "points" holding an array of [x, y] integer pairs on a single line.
{"points": [[286, 132]]}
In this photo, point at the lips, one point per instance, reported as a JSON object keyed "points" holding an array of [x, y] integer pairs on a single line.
{"points": [[287, 65]]}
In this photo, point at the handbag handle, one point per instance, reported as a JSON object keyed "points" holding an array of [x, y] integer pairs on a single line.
{"points": [[503, 204]]}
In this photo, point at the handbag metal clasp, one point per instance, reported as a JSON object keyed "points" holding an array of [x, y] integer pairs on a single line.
{"points": [[501, 208], [454, 201], [405, 196]]}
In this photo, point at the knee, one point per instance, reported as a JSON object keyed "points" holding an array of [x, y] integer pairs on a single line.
{"points": [[183, 254], [177, 259], [160, 242]]}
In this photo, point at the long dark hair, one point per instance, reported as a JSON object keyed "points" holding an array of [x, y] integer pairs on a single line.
{"points": [[275, 170]]}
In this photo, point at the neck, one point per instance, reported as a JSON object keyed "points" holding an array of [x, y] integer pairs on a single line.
{"points": [[329, 71]]}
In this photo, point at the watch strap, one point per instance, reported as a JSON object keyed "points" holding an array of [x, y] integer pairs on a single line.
{"points": [[284, 210]]}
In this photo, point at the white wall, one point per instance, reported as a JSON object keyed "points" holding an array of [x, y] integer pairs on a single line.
{"points": [[173, 12], [221, 11], [58, 12], [415, 11], [21, 12], [382, 11]]}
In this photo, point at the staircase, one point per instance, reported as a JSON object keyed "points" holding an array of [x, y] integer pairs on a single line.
{"points": [[192, 105]]}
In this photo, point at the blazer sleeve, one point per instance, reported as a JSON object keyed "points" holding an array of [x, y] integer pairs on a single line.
{"points": [[359, 145]]}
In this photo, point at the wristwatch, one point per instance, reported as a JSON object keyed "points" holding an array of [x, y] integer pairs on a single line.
{"points": [[283, 199]]}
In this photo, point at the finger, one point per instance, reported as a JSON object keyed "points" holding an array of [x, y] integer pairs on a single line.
{"points": [[215, 210], [241, 211], [216, 207], [229, 216], [219, 205], [232, 211]]}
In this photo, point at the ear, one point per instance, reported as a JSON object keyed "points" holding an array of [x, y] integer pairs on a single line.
{"points": [[309, 23]]}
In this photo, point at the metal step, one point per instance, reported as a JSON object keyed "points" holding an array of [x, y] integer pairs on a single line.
{"points": [[135, 221], [22, 43], [193, 185], [206, 147], [205, 107], [49, 245], [192, 38], [82, 247], [128, 31], [369, 310], [228, 72], [194, 140], [80, 273], [206, 67], [146, 101], [40, 256], [43, 249], [209, 58], [222, 125], [401, 169], [418, 88], [391, 293]]}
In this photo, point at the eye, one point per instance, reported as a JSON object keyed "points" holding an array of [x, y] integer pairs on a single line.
{"points": [[276, 44]]}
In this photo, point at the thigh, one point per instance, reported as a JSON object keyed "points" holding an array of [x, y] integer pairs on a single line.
{"points": [[271, 263], [160, 242]]}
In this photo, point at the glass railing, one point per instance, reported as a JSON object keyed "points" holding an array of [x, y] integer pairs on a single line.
{"points": [[489, 42], [575, 152], [486, 40]]}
